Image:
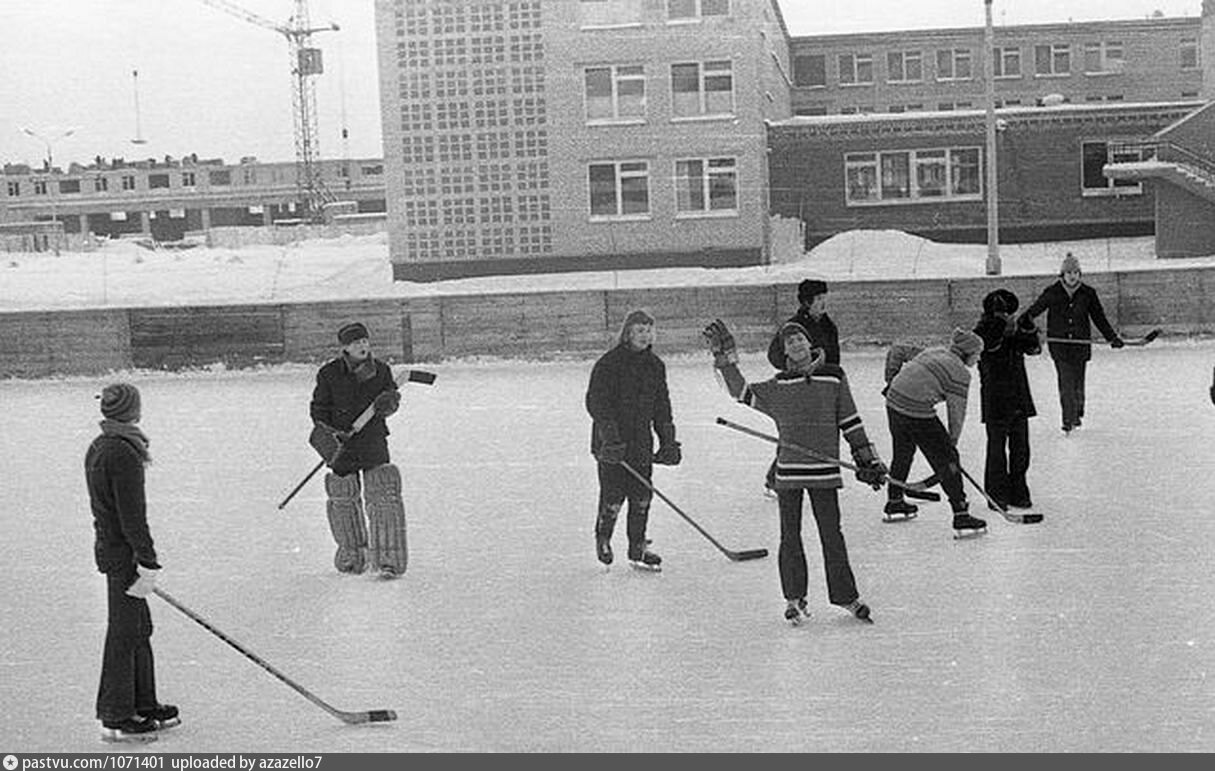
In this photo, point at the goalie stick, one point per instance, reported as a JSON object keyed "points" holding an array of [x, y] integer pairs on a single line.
{"points": [[406, 376], [916, 487], [1137, 341], [735, 556], [350, 718]]}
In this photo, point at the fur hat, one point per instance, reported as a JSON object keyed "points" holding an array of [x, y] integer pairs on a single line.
{"points": [[809, 289], [1069, 263], [1000, 301], [351, 332], [120, 401], [965, 344]]}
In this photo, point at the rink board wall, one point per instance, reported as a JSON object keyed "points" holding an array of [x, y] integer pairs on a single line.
{"points": [[553, 324]]}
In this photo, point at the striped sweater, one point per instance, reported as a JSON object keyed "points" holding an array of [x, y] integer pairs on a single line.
{"points": [[936, 375], [811, 412]]}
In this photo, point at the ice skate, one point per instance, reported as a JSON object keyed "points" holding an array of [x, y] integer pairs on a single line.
{"points": [[389, 573], [641, 558], [860, 610], [899, 511], [164, 715], [133, 729], [966, 526], [795, 611]]}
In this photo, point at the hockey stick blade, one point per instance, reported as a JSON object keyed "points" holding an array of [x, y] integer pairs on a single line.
{"points": [[750, 554], [420, 376]]}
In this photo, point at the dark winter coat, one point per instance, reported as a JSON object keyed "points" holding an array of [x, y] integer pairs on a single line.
{"points": [[114, 474], [628, 401], [1003, 384], [1068, 316], [339, 398], [823, 334]]}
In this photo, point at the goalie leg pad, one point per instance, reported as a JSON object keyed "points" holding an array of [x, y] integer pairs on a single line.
{"points": [[344, 508], [386, 517]]}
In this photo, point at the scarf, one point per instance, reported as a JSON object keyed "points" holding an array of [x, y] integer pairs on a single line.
{"points": [[130, 432], [363, 369]]}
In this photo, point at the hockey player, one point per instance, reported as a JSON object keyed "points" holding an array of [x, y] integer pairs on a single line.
{"points": [[628, 401], [812, 405], [937, 374], [1005, 398], [1070, 305], [114, 463], [362, 477]]}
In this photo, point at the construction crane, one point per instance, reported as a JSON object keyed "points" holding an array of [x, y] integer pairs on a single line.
{"points": [[306, 63]]}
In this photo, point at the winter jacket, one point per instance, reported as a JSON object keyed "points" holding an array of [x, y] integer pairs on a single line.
{"points": [[1068, 316], [1003, 384], [339, 398], [114, 474], [628, 401], [823, 334]]}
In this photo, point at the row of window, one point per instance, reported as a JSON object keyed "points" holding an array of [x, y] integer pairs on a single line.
{"points": [[614, 93], [621, 189], [911, 66], [611, 13], [160, 181]]}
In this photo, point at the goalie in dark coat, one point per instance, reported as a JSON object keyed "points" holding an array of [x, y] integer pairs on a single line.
{"points": [[362, 477]]}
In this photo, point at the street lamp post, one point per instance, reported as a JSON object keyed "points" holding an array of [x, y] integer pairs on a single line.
{"points": [[50, 167], [993, 215]]}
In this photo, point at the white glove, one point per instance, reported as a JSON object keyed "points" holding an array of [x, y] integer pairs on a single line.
{"points": [[145, 582]]}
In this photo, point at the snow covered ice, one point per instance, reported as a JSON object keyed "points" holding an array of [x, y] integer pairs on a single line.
{"points": [[1092, 631]]}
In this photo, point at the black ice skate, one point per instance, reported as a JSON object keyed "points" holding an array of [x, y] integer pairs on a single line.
{"points": [[642, 558], [133, 729], [603, 548], [966, 526], [164, 715], [860, 610], [795, 611], [899, 511]]}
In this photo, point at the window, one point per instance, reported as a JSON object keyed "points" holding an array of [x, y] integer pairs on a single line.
{"points": [[904, 67], [1007, 62], [1052, 60], [1189, 53], [157, 181], [40, 187], [810, 71], [950, 106], [615, 93], [953, 64], [101, 184], [1093, 157], [619, 189], [610, 13], [706, 185], [187, 179], [69, 186], [14, 189], [221, 177], [682, 10], [856, 69], [702, 89], [912, 175], [1102, 58]]}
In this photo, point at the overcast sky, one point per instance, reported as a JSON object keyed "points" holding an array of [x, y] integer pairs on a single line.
{"points": [[219, 86]]}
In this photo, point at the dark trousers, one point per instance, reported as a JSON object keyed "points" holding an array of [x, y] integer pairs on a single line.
{"points": [[128, 678], [1007, 460], [931, 437], [824, 504], [616, 485], [1071, 390]]}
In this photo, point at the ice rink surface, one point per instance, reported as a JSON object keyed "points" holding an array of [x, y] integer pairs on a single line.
{"points": [[1093, 631]]}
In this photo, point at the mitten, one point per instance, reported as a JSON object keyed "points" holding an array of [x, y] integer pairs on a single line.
{"points": [[721, 344], [1117, 342], [870, 469], [668, 454], [387, 402], [145, 582], [1026, 322]]}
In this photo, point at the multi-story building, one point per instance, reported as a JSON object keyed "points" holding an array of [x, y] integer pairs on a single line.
{"points": [[537, 135]]}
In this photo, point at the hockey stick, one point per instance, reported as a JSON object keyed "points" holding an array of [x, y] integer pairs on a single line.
{"points": [[1020, 519], [1149, 337], [736, 556], [350, 718], [408, 376], [909, 486]]}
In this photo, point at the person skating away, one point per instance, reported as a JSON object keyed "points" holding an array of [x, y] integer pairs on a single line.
{"points": [[812, 315], [811, 404], [114, 464], [629, 403], [937, 374], [1005, 398], [363, 487], [1070, 305]]}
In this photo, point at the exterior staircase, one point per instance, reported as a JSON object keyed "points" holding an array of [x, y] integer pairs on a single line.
{"points": [[1164, 160]]}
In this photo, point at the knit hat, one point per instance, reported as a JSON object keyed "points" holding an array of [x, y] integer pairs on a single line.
{"points": [[965, 344], [1069, 263], [351, 332], [1000, 301], [120, 401], [790, 328], [809, 289]]}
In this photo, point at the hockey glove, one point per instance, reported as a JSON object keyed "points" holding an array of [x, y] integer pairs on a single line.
{"points": [[721, 344], [612, 453], [668, 454], [387, 402], [145, 582], [1117, 342], [871, 470]]}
